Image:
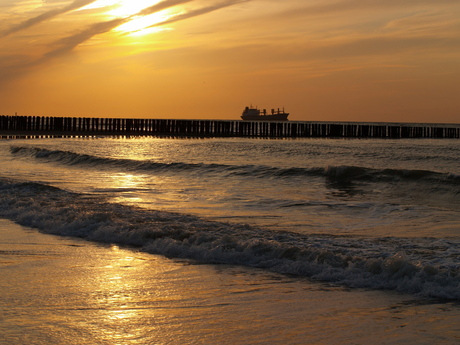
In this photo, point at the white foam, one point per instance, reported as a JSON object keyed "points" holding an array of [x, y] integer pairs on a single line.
{"points": [[420, 266]]}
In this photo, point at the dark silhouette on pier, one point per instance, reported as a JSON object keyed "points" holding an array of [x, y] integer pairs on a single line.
{"points": [[33, 126]]}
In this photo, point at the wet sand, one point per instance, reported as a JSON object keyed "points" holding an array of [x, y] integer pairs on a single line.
{"points": [[57, 290]]}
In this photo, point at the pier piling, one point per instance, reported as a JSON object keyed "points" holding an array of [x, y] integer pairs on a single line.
{"points": [[83, 126]]}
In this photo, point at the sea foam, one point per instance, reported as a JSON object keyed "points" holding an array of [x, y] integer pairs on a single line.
{"points": [[426, 267]]}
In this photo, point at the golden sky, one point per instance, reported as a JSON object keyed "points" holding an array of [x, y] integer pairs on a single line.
{"points": [[323, 60]]}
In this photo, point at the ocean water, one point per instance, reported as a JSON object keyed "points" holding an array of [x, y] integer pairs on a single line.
{"points": [[323, 231]]}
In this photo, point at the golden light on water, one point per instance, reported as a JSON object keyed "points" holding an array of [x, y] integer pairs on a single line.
{"points": [[117, 303], [127, 181], [127, 186]]}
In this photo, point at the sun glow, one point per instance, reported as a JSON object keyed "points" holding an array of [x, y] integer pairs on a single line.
{"points": [[121, 8], [100, 4], [143, 24], [138, 22], [127, 8]]}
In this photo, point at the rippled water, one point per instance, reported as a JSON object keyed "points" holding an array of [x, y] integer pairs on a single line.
{"points": [[366, 187], [300, 239], [365, 213], [59, 290]]}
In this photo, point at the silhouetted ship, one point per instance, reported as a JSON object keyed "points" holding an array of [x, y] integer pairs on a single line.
{"points": [[254, 114]]}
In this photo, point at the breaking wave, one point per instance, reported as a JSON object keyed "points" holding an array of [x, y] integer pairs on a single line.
{"points": [[424, 266], [332, 173]]}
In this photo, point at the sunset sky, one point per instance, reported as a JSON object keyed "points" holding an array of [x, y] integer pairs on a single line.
{"points": [[323, 60]]}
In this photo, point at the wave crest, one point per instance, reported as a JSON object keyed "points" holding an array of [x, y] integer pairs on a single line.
{"points": [[427, 267], [333, 173]]}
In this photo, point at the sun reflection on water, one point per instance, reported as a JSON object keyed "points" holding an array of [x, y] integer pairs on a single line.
{"points": [[128, 181], [127, 187], [118, 298]]}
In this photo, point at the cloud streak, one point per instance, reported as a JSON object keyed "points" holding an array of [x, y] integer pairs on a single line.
{"points": [[46, 16], [365, 5], [161, 6], [200, 11], [68, 43], [364, 52]]}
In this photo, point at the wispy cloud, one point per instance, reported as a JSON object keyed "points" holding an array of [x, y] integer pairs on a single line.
{"points": [[200, 11], [67, 44], [362, 51], [161, 6], [364, 5], [46, 16]]}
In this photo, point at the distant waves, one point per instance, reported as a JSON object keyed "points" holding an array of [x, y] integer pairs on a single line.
{"points": [[339, 173]]}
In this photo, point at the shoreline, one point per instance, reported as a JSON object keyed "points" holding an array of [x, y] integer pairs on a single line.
{"points": [[110, 294]]}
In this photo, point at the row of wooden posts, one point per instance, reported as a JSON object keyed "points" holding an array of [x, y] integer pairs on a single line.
{"points": [[79, 126]]}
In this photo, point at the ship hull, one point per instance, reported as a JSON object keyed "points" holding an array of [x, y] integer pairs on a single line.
{"points": [[272, 117]]}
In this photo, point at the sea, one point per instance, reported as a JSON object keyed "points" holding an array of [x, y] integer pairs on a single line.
{"points": [[163, 240]]}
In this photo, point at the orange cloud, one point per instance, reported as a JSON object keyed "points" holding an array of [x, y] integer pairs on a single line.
{"points": [[46, 16], [200, 11], [330, 59]]}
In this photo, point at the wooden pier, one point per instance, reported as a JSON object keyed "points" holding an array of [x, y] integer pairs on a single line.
{"points": [[33, 126]]}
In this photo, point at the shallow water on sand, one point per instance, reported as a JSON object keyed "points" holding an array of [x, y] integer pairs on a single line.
{"points": [[59, 290], [380, 214]]}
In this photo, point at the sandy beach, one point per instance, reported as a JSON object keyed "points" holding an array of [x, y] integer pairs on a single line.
{"points": [[58, 290]]}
